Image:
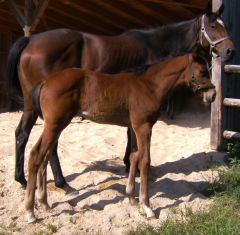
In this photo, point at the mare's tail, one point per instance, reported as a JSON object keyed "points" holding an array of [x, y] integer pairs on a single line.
{"points": [[12, 66], [35, 95]]}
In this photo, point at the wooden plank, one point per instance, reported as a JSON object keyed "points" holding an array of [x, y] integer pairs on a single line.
{"points": [[38, 13], [231, 135], [17, 13], [230, 68], [231, 102]]}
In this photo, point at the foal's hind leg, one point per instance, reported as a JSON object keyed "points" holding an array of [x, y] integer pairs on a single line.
{"points": [[22, 133], [39, 157]]}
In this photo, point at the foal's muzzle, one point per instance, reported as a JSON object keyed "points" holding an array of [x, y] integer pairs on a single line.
{"points": [[209, 96]]}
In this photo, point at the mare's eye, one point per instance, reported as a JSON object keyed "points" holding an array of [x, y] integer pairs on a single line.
{"points": [[213, 26]]}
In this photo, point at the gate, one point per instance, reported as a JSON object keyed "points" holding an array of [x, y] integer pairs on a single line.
{"points": [[225, 114]]}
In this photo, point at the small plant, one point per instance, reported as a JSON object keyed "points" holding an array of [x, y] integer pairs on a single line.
{"points": [[234, 152]]}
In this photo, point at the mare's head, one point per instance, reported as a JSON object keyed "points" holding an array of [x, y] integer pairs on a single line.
{"points": [[213, 34], [197, 77]]}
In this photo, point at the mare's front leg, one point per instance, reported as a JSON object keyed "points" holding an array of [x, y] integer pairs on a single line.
{"points": [[22, 133], [143, 134], [130, 189]]}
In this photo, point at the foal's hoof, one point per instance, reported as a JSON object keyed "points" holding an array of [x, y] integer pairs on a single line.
{"points": [[149, 212], [31, 219], [132, 201]]}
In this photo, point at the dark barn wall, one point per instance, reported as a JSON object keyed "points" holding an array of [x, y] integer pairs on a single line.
{"points": [[231, 82], [7, 37]]}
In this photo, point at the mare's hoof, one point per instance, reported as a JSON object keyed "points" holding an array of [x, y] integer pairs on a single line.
{"points": [[22, 181], [70, 190]]}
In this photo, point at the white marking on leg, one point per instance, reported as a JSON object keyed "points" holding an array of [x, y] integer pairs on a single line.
{"points": [[149, 212]]}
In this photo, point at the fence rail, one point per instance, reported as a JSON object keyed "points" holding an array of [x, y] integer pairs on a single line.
{"points": [[230, 68], [231, 102]]}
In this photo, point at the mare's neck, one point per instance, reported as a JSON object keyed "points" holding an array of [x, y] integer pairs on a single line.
{"points": [[172, 40]]}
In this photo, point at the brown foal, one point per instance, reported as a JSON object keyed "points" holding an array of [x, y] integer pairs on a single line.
{"points": [[132, 99]]}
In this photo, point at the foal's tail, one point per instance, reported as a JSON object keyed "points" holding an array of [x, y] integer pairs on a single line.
{"points": [[35, 95], [12, 64]]}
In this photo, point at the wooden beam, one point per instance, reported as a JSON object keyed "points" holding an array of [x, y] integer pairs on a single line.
{"points": [[201, 5], [230, 68], [229, 135], [118, 10], [87, 23], [231, 102], [41, 7], [29, 8], [16, 12]]}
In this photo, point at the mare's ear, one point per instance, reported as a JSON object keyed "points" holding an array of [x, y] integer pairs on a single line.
{"points": [[209, 7], [220, 10]]}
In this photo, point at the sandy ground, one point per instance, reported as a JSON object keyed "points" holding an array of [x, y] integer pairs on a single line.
{"points": [[91, 157]]}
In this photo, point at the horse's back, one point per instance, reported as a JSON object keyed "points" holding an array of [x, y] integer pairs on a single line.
{"points": [[49, 52]]}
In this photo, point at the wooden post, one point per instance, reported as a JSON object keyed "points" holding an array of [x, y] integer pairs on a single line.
{"points": [[30, 19], [216, 107]]}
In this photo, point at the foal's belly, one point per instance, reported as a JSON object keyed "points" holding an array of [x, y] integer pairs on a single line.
{"points": [[103, 117]]}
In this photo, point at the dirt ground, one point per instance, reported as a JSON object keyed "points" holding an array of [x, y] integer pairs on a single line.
{"points": [[91, 157]]}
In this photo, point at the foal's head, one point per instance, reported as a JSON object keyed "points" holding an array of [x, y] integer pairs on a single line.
{"points": [[197, 77]]}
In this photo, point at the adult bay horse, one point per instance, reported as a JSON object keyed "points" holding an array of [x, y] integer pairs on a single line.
{"points": [[33, 58], [131, 99]]}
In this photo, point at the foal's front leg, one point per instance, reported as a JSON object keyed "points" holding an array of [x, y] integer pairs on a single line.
{"points": [[143, 134]]}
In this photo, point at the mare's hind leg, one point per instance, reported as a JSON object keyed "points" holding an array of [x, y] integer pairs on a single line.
{"points": [[126, 158], [56, 169], [22, 133]]}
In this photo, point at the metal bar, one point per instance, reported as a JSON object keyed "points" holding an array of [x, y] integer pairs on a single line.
{"points": [[230, 68], [231, 135], [231, 102]]}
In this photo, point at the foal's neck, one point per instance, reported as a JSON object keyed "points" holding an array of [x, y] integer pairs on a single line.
{"points": [[167, 75]]}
